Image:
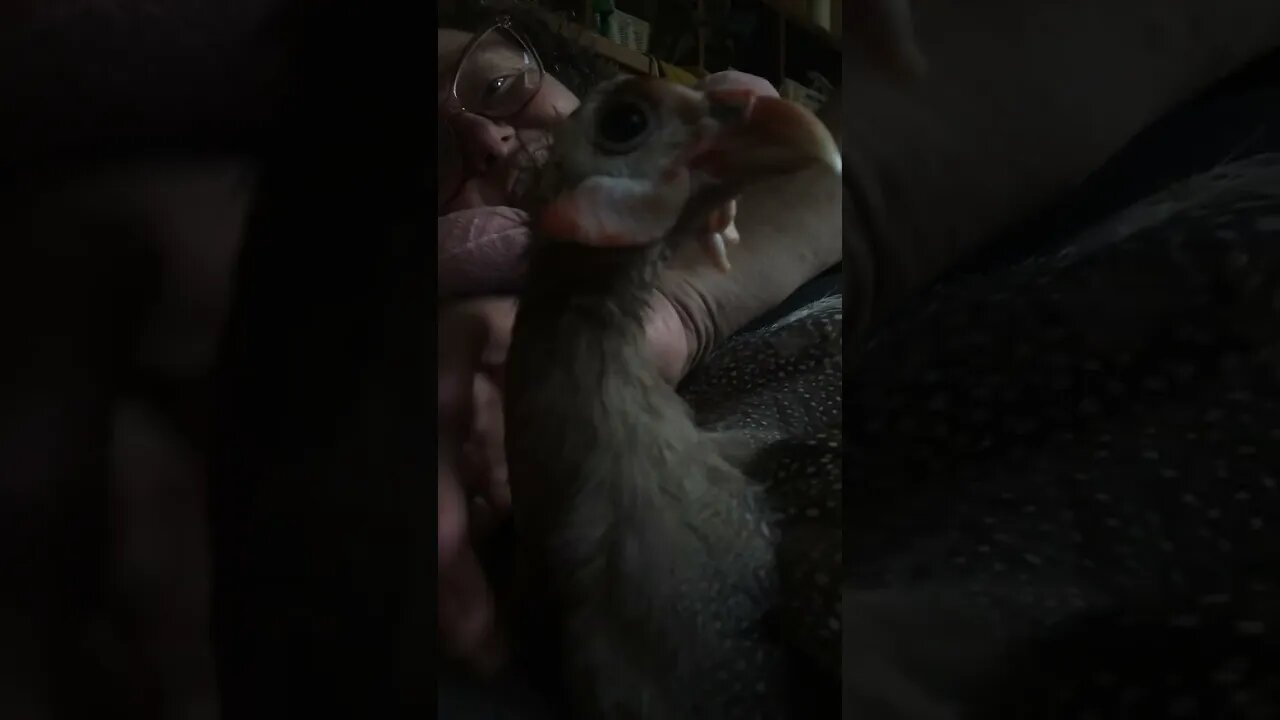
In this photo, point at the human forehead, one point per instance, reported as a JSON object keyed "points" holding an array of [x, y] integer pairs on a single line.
{"points": [[450, 44]]}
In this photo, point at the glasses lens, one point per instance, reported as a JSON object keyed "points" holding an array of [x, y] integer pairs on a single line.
{"points": [[499, 75]]}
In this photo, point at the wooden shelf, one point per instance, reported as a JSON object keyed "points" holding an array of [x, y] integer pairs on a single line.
{"points": [[630, 60], [796, 17]]}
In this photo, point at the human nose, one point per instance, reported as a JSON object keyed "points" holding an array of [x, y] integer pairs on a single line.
{"points": [[482, 141]]}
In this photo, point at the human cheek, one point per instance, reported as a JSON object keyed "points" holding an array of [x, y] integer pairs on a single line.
{"points": [[553, 103]]}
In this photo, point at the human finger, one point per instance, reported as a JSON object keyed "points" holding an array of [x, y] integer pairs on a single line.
{"points": [[451, 516], [468, 613]]}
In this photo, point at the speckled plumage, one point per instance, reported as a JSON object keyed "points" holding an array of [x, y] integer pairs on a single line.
{"points": [[657, 553], [1078, 460], [654, 548], [781, 387]]}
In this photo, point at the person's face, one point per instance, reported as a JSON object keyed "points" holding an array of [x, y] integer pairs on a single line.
{"points": [[486, 155]]}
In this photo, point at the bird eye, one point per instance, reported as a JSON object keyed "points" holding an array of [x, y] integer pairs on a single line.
{"points": [[622, 126]]}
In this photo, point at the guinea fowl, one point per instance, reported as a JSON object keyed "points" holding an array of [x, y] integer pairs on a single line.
{"points": [[654, 549]]}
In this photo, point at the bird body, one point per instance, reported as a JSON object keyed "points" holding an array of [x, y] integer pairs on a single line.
{"points": [[653, 547], [656, 548]]}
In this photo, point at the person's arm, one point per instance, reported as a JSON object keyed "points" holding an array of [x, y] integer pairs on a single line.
{"points": [[1020, 101], [790, 232]]}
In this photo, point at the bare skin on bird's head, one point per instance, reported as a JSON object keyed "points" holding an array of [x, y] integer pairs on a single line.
{"points": [[644, 158]]}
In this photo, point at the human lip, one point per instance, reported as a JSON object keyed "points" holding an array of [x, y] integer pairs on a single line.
{"points": [[520, 182], [521, 178], [505, 184]]}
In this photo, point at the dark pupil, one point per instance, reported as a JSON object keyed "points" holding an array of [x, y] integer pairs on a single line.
{"points": [[623, 122]]}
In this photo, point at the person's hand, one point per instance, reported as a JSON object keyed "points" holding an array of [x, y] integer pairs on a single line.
{"points": [[467, 610], [785, 231], [780, 233], [722, 230], [472, 475]]}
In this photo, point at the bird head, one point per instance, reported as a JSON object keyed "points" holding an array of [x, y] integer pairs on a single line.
{"points": [[641, 156]]}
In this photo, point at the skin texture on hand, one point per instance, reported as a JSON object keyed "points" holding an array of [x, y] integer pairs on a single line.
{"points": [[473, 492], [467, 607], [473, 495], [789, 230]]}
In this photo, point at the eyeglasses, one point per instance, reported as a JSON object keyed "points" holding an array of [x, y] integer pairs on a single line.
{"points": [[497, 75]]}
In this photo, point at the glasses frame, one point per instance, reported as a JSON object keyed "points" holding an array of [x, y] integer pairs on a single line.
{"points": [[454, 103]]}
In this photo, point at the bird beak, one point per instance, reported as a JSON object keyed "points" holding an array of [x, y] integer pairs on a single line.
{"points": [[759, 136]]}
